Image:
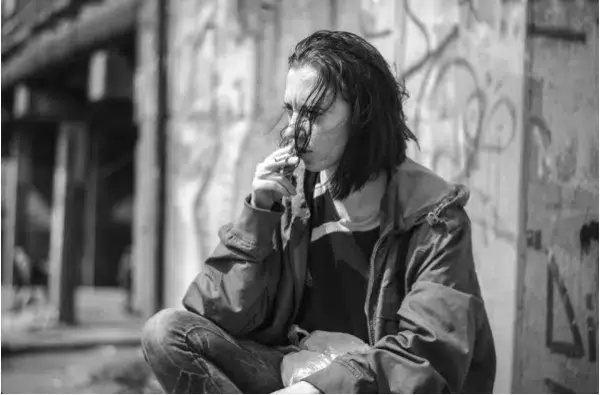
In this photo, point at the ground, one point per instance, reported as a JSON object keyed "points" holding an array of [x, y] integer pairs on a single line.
{"points": [[106, 370], [101, 354]]}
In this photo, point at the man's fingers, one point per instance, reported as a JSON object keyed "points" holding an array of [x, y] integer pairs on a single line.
{"points": [[270, 182], [280, 154], [276, 166]]}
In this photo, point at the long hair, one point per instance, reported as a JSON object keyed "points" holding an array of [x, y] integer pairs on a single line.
{"points": [[348, 65]]}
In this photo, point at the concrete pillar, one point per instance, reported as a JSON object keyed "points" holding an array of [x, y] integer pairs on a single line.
{"points": [[557, 329]]}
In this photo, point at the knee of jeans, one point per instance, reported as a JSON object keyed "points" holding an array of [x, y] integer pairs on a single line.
{"points": [[162, 331]]}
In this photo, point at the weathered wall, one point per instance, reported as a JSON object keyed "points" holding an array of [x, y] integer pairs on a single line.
{"points": [[212, 71], [463, 63], [558, 317], [227, 73]]}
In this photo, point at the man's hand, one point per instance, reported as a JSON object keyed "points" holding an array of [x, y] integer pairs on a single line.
{"points": [[270, 184], [301, 387]]}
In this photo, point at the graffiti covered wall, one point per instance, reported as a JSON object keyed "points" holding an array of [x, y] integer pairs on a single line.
{"points": [[211, 117], [558, 317]]}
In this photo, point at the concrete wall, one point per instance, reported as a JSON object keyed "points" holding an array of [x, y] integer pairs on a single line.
{"points": [[558, 317]]}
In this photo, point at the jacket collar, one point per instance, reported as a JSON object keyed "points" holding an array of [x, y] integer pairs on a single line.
{"points": [[414, 194]]}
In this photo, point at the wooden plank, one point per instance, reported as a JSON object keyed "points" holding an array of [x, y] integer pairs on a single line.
{"points": [[67, 217]]}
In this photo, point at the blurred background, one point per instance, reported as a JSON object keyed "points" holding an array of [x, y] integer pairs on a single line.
{"points": [[131, 129]]}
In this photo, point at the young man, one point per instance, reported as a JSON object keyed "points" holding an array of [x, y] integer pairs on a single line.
{"points": [[361, 241]]}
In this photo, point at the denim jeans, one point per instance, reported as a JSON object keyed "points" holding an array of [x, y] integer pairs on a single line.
{"points": [[190, 354]]}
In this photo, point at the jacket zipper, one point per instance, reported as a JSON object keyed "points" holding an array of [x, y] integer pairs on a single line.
{"points": [[370, 284]]}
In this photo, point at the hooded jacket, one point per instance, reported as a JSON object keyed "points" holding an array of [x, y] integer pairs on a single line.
{"points": [[428, 328]]}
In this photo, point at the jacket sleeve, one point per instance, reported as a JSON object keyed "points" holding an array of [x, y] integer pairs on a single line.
{"points": [[237, 284], [436, 323]]}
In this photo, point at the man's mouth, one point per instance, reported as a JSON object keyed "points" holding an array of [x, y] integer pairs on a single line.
{"points": [[302, 152]]}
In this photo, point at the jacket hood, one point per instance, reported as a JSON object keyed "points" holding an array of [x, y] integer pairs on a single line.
{"points": [[416, 194]]}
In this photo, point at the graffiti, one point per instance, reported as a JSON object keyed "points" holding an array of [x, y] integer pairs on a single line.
{"points": [[563, 193], [432, 54], [188, 81], [212, 101], [369, 21], [480, 115], [573, 349], [557, 33], [463, 109], [577, 304], [587, 234], [196, 145], [479, 119], [534, 239], [368, 29]]}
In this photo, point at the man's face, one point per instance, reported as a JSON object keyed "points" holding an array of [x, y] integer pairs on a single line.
{"points": [[330, 130]]}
